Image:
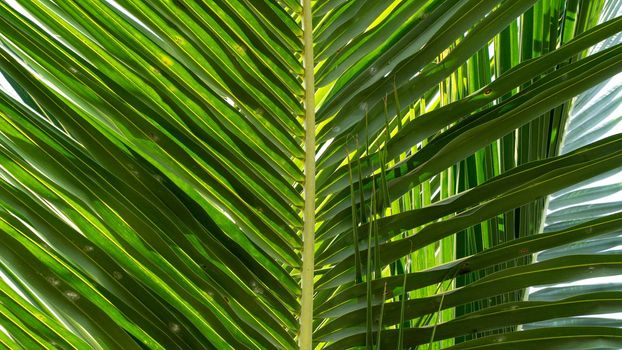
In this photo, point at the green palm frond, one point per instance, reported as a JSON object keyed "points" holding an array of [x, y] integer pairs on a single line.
{"points": [[277, 175]]}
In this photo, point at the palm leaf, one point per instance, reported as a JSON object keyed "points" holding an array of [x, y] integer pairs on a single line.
{"points": [[274, 174]]}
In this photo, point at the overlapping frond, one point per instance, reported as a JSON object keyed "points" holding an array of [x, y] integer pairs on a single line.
{"points": [[439, 129]]}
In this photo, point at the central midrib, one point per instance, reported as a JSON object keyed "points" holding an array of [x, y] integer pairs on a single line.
{"points": [[308, 234]]}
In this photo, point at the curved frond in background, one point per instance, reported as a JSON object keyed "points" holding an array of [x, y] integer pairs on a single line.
{"points": [[595, 114]]}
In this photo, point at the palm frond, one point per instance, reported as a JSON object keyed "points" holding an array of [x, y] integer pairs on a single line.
{"points": [[158, 173]]}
